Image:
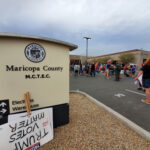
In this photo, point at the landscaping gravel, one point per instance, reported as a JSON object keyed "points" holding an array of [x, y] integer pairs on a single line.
{"points": [[92, 128]]}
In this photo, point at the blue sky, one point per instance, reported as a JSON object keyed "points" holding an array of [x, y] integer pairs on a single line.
{"points": [[113, 25]]}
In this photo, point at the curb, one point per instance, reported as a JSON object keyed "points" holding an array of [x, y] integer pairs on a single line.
{"points": [[142, 132]]}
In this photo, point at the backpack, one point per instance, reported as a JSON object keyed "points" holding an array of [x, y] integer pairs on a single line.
{"points": [[118, 68]]}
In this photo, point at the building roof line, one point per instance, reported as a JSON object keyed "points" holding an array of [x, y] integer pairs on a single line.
{"points": [[23, 36], [118, 53]]}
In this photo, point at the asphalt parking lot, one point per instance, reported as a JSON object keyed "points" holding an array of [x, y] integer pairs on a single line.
{"points": [[122, 96]]}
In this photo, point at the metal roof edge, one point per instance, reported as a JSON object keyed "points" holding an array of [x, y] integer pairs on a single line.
{"points": [[71, 46]]}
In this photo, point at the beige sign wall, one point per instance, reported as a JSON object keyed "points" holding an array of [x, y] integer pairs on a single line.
{"points": [[47, 81]]}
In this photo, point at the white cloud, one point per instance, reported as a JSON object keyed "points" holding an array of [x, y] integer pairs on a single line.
{"points": [[93, 15], [77, 18]]}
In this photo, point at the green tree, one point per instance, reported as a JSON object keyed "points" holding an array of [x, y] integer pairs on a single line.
{"points": [[94, 61], [104, 60], [101, 60], [127, 58]]}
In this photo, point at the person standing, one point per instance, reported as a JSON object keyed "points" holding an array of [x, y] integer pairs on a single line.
{"points": [[145, 70], [125, 68], [92, 73], [81, 69], [71, 69], [108, 70], [140, 84], [133, 70], [87, 69], [117, 71], [76, 70]]}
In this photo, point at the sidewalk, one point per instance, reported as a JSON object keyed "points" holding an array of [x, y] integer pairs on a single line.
{"points": [[92, 128]]}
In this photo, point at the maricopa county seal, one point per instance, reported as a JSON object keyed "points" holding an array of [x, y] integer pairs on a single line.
{"points": [[35, 52]]}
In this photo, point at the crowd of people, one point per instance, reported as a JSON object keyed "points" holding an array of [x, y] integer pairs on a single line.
{"points": [[117, 69]]}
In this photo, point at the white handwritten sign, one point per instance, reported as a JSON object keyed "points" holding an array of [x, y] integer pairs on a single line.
{"points": [[140, 78], [26, 133]]}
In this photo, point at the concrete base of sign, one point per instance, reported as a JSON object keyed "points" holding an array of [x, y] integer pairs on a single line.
{"points": [[60, 115], [3, 120]]}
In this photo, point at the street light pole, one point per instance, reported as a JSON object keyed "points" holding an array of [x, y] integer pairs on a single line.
{"points": [[87, 38]]}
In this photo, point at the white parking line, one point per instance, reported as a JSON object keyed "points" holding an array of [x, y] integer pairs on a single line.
{"points": [[134, 92]]}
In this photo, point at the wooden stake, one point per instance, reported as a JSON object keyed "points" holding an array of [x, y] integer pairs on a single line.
{"points": [[27, 102], [28, 97]]}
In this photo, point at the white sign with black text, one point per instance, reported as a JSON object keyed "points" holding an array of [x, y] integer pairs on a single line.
{"points": [[140, 78], [26, 133]]}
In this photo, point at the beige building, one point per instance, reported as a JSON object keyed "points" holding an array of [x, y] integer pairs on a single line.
{"points": [[140, 55], [77, 59]]}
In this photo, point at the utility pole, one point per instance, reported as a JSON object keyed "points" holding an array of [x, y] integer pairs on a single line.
{"points": [[87, 38]]}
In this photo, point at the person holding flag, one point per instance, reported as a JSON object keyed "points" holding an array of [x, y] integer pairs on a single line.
{"points": [[100, 67], [108, 68], [96, 66]]}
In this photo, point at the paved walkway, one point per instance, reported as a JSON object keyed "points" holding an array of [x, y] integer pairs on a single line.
{"points": [[122, 96]]}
